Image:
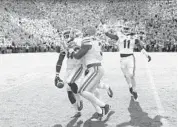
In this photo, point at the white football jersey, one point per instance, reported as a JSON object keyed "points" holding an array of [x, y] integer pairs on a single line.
{"points": [[71, 62], [94, 55], [126, 43]]}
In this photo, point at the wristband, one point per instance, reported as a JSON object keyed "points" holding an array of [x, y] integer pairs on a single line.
{"points": [[57, 73]]}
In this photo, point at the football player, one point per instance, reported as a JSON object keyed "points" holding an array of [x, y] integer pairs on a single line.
{"points": [[73, 70], [126, 41], [91, 54]]}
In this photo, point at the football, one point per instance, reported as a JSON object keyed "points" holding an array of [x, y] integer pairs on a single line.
{"points": [[59, 83]]}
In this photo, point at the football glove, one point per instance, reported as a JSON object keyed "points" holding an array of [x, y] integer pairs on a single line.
{"points": [[149, 58], [58, 82]]}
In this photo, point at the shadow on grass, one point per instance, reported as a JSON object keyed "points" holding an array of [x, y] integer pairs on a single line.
{"points": [[90, 123], [139, 118], [57, 125], [71, 123]]}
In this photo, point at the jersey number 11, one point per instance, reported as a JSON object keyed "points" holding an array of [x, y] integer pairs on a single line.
{"points": [[127, 44]]}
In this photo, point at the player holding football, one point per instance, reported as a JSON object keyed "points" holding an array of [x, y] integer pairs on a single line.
{"points": [[91, 55], [73, 71], [127, 41]]}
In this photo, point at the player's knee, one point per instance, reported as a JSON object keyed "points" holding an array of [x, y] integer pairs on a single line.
{"points": [[71, 97], [131, 75], [68, 80], [74, 87], [68, 88], [127, 76], [82, 93]]}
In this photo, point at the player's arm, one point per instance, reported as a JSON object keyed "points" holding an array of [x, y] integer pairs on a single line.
{"points": [[110, 35], [83, 50], [59, 62], [141, 46], [58, 81], [85, 47]]}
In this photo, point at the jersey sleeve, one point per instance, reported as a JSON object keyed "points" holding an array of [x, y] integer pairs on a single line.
{"points": [[86, 41], [112, 36]]}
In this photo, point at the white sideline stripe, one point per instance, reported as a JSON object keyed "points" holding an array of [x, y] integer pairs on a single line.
{"points": [[160, 108], [23, 83]]}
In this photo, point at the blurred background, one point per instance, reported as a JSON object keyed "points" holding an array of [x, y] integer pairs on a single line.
{"points": [[35, 25]]}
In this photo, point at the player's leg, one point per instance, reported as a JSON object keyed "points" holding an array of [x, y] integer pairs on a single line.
{"points": [[131, 73], [77, 75], [97, 108], [70, 94], [99, 113], [124, 69], [107, 88], [89, 84], [74, 98], [91, 77]]}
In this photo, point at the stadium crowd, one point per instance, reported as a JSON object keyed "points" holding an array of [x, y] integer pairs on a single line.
{"points": [[26, 48], [51, 47], [158, 20]]}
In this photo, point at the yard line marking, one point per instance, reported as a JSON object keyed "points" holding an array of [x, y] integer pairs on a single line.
{"points": [[160, 108], [23, 83]]}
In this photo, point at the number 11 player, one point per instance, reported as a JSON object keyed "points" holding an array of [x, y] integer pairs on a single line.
{"points": [[127, 41]]}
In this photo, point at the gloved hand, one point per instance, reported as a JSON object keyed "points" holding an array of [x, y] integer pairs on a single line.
{"points": [[149, 58], [58, 82]]}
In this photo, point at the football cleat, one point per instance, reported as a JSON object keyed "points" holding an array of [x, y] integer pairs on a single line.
{"points": [[105, 109], [98, 117], [80, 106], [78, 114], [131, 90], [110, 92], [135, 95], [58, 82], [149, 58]]}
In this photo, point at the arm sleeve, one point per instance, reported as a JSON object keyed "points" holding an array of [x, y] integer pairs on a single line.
{"points": [[112, 36], [84, 49], [60, 61], [141, 47]]}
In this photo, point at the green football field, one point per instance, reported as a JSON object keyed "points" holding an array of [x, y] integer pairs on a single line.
{"points": [[28, 97]]}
